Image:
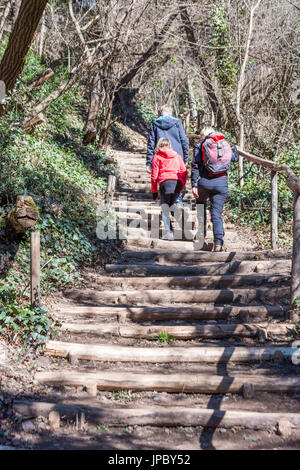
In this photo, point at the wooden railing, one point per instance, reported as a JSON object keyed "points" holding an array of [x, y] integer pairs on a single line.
{"points": [[294, 184]]}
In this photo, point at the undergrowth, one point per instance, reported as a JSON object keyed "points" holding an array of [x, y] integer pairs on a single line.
{"points": [[67, 182]]}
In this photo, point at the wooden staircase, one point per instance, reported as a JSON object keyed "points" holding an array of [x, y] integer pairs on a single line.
{"points": [[181, 324]]}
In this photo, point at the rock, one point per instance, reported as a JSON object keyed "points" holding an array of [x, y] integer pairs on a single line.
{"points": [[29, 426], [92, 389], [54, 419], [248, 390], [73, 359], [284, 428]]}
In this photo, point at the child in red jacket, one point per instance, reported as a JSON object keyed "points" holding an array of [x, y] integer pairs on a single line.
{"points": [[169, 171]]}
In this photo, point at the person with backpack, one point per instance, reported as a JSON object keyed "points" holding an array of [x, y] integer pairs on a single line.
{"points": [[166, 126], [212, 158], [170, 173]]}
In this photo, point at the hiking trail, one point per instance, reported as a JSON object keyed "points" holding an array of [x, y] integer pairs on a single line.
{"points": [[172, 348]]}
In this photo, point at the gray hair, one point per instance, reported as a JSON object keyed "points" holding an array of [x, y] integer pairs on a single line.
{"points": [[165, 110], [205, 131]]}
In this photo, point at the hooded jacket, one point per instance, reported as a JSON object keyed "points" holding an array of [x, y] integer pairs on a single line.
{"points": [[167, 165], [172, 129]]}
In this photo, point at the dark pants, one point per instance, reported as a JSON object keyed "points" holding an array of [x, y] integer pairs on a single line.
{"points": [[169, 192], [216, 189]]}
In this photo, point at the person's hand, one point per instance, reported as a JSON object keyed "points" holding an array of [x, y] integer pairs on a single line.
{"points": [[149, 169], [195, 193], [155, 196]]}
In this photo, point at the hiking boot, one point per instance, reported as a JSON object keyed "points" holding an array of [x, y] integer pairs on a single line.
{"points": [[217, 248]]}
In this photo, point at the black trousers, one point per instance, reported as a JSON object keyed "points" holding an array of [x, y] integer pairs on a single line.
{"points": [[169, 191]]}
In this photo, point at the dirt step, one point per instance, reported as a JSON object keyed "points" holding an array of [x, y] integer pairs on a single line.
{"points": [[217, 282], [217, 269], [164, 256], [181, 331], [157, 415], [135, 297], [183, 313], [103, 352]]}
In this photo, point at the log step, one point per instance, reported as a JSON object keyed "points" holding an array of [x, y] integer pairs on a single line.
{"points": [[103, 352], [203, 256], [180, 332], [177, 282], [201, 312], [170, 383], [158, 415], [238, 267], [134, 297]]}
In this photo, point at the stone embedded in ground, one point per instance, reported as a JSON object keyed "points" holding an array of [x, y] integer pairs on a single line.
{"points": [[29, 426], [284, 428], [248, 390], [54, 419]]}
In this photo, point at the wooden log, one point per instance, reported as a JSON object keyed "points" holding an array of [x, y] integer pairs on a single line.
{"points": [[180, 282], [229, 257], [238, 267], [201, 312], [295, 286], [24, 214], [179, 332], [35, 268], [30, 123], [171, 383], [202, 256], [274, 210], [103, 352], [164, 244], [292, 181], [158, 416], [134, 297], [40, 79]]}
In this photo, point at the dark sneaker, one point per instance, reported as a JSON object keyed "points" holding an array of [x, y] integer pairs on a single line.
{"points": [[217, 248]]}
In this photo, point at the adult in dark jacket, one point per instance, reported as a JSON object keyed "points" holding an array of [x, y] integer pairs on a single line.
{"points": [[168, 127], [214, 187]]}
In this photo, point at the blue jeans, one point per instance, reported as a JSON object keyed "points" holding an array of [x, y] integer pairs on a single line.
{"points": [[216, 189]]}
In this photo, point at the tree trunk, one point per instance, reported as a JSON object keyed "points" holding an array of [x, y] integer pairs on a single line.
{"points": [[208, 86], [241, 83], [40, 79], [20, 40], [161, 38], [32, 117], [24, 214], [192, 104], [42, 35], [295, 289], [90, 130], [4, 17]]}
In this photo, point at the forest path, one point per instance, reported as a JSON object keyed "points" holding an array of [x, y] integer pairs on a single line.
{"points": [[172, 348]]}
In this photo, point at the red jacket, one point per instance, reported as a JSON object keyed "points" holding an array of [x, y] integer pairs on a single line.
{"points": [[167, 165]]}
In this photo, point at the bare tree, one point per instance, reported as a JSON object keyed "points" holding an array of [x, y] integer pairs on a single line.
{"points": [[241, 84], [20, 40]]}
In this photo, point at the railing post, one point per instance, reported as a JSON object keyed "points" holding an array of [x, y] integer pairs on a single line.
{"points": [[111, 186], [35, 268], [274, 210], [295, 286]]}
